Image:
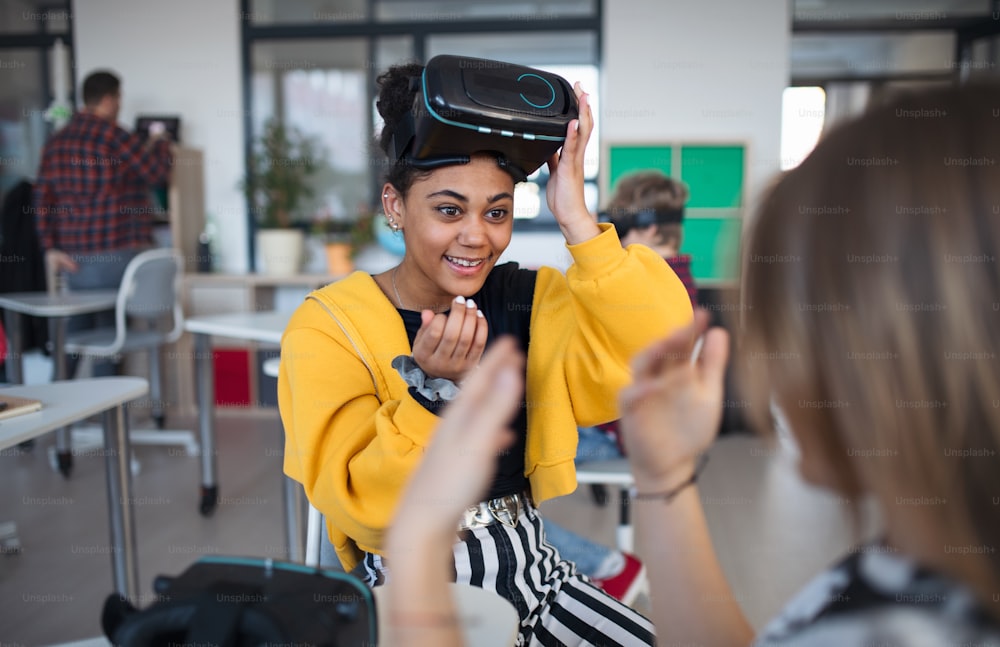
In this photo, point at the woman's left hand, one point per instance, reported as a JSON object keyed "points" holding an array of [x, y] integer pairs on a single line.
{"points": [[564, 192]]}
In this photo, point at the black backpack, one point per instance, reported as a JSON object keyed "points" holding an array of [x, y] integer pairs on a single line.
{"points": [[237, 602]]}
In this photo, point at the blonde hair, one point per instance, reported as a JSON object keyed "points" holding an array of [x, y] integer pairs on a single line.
{"points": [[650, 190], [871, 294]]}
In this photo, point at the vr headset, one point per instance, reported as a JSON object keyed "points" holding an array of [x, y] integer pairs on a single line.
{"points": [[465, 105], [625, 221]]}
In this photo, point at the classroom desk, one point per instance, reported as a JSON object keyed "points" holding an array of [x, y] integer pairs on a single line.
{"points": [[64, 403], [59, 308], [265, 327]]}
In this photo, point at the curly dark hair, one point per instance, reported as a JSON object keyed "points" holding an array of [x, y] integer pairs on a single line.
{"points": [[395, 98]]}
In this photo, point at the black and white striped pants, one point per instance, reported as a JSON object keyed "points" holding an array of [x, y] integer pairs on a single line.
{"points": [[558, 606]]}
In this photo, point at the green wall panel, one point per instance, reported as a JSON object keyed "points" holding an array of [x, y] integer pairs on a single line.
{"points": [[714, 174], [626, 159], [714, 246]]}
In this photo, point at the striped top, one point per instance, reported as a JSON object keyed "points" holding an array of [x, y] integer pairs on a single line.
{"points": [[92, 193]]}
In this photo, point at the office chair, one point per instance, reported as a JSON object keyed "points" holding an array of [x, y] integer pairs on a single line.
{"points": [[148, 294], [318, 551]]}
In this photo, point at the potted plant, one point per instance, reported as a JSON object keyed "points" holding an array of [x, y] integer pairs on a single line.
{"points": [[343, 239], [277, 188]]}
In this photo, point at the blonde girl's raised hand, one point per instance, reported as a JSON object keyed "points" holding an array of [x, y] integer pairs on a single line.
{"points": [[460, 461], [671, 411], [454, 473]]}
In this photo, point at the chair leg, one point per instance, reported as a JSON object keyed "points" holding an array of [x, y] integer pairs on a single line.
{"points": [[155, 388], [314, 536], [623, 534], [599, 493]]}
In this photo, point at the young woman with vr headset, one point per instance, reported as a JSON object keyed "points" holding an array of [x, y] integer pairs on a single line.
{"points": [[369, 362]]}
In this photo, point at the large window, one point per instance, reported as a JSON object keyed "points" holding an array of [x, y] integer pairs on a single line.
{"points": [[312, 65], [29, 58]]}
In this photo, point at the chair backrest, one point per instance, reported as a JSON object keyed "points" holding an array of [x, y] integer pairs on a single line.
{"points": [[149, 290]]}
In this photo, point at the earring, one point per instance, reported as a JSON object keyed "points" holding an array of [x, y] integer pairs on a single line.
{"points": [[392, 224]]}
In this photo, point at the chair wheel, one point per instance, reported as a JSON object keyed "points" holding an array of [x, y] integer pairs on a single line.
{"points": [[61, 462], [9, 543], [209, 499]]}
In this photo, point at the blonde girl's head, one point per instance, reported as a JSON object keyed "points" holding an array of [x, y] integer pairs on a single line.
{"points": [[872, 317]]}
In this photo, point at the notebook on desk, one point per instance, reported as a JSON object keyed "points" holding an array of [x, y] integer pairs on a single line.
{"points": [[11, 406]]}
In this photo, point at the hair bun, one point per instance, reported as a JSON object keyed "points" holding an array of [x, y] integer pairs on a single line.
{"points": [[395, 97]]}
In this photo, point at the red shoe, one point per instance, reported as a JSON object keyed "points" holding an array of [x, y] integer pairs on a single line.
{"points": [[627, 584]]}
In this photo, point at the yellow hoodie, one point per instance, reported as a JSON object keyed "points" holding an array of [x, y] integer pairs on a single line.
{"points": [[353, 434]]}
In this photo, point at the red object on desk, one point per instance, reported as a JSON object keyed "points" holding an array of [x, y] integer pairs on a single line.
{"points": [[232, 377]]}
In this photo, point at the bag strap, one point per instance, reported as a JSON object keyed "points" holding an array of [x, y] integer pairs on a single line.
{"points": [[362, 350]]}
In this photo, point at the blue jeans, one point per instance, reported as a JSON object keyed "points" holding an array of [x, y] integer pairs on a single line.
{"points": [[594, 445], [102, 271]]}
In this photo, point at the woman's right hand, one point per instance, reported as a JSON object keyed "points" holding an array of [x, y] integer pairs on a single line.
{"points": [[451, 345], [671, 412]]}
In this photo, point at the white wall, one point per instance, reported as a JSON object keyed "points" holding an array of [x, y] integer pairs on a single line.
{"points": [[180, 57], [681, 69], [689, 69]]}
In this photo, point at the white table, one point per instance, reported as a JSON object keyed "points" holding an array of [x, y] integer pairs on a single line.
{"points": [[59, 308], [64, 403], [265, 327]]}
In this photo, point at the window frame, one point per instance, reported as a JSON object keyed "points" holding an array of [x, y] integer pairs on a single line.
{"points": [[371, 29]]}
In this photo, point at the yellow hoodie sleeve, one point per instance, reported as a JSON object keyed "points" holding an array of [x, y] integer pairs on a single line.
{"points": [[587, 325], [340, 442]]}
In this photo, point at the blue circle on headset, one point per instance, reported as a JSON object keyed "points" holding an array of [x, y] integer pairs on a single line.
{"points": [[546, 82]]}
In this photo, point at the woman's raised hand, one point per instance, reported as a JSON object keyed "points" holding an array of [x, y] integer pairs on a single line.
{"points": [[564, 192], [451, 345], [460, 461], [671, 411]]}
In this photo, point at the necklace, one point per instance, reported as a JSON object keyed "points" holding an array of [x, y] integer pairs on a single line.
{"points": [[396, 290]]}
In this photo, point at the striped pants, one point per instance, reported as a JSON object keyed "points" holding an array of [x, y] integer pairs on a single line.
{"points": [[558, 607]]}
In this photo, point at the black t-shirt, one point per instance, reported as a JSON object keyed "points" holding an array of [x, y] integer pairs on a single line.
{"points": [[505, 300]]}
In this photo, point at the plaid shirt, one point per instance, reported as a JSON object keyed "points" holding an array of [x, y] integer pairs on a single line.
{"points": [[681, 265], [92, 193]]}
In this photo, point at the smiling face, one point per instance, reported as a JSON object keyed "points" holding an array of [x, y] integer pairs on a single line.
{"points": [[457, 221]]}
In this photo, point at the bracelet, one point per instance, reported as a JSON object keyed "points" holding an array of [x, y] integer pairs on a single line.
{"points": [[669, 495]]}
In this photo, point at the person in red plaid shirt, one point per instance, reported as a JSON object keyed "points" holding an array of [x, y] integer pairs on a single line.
{"points": [[92, 197], [92, 206]]}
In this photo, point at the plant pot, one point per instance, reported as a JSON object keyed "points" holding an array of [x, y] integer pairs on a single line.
{"points": [[281, 251], [338, 259]]}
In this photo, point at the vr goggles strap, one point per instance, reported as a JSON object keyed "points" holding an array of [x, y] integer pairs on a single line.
{"points": [[643, 218], [431, 163], [402, 136]]}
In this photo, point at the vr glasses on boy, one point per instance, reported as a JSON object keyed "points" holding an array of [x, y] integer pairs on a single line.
{"points": [[467, 105], [625, 221]]}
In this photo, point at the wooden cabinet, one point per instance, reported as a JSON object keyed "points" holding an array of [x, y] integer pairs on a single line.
{"points": [[186, 202]]}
